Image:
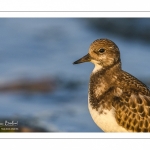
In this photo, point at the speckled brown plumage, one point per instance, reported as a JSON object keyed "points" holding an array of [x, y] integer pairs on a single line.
{"points": [[112, 88], [133, 105]]}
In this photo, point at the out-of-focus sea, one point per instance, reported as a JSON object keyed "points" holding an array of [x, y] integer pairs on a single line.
{"points": [[34, 49]]}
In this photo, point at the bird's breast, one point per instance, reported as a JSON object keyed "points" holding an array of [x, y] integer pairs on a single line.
{"points": [[105, 119]]}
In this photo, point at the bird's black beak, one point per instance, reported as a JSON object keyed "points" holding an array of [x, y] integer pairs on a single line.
{"points": [[85, 58]]}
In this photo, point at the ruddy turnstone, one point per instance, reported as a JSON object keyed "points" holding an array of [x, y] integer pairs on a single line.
{"points": [[117, 101]]}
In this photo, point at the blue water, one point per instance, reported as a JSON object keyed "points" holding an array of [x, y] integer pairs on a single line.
{"points": [[35, 48]]}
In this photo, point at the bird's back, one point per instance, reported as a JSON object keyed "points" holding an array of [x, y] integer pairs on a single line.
{"points": [[132, 105]]}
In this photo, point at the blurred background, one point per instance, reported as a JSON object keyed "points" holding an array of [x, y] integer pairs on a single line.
{"points": [[40, 89]]}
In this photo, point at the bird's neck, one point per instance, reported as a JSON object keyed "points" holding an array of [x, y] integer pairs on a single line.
{"points": [[101, 68], [101, 84], [106, 75]]}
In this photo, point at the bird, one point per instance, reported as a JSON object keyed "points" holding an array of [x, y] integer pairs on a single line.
{"points": [[117, 101]]}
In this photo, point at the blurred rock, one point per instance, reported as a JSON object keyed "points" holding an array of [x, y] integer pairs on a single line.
{"points": [[21, 125], [38, 85]]}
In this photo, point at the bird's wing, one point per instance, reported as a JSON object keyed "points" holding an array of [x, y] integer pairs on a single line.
{"points": [[133, 111]]}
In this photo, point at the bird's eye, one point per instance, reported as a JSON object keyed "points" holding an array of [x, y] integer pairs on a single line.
{"points": [[101, 50]]}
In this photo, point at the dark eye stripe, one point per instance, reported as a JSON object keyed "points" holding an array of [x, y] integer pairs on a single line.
{"points": [[101, 50]]}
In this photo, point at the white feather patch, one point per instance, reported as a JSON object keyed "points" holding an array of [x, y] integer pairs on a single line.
{"points": [[106, 120], [97, 67]]}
